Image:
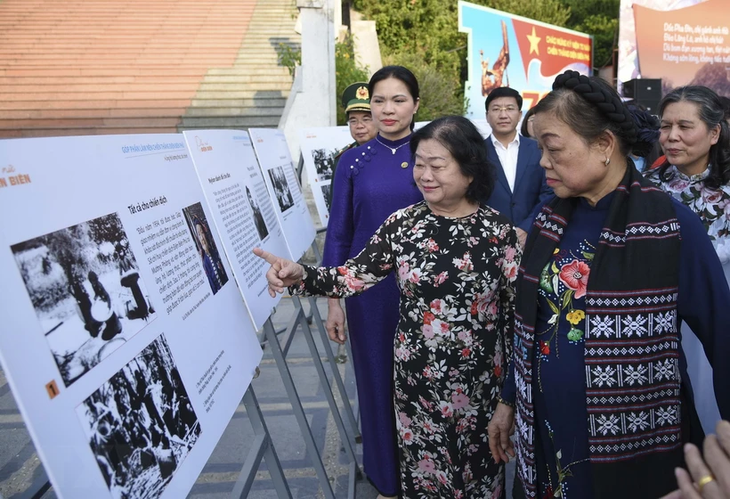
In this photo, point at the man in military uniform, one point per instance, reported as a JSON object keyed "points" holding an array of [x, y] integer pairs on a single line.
{"points": [[356, 101]]}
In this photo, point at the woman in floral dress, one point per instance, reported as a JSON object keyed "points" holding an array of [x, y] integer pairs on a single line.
{"points": [[455, 261], [696, 172]]}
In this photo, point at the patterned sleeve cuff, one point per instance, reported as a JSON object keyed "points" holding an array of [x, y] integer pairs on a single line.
{"points": [[503, 401], [301, 288]]}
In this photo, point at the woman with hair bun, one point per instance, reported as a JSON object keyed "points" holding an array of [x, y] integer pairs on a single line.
{"points": [[610, 268]]}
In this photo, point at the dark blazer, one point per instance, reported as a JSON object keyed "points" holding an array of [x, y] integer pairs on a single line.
{"points": [[530, 187]]}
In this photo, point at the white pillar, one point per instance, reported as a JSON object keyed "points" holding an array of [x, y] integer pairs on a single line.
{"points": [[313, 103]]}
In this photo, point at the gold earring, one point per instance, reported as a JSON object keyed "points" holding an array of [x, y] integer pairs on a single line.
{"points": [[608, 160]]}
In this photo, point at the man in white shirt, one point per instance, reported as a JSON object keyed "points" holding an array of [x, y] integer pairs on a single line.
{"points": [[520, 185]]}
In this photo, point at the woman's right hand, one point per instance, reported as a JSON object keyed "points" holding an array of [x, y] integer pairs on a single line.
{"points": [[501, 427], [335, 323], [282, 274]]}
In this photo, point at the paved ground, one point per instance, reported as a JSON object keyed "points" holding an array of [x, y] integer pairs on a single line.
{"points": [[21, 474]]}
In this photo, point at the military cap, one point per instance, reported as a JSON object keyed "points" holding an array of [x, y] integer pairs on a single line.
{"points": [[356, 97]]}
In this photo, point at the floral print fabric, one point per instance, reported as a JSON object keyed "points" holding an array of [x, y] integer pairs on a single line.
{"points": [[456, 280], [713, 206], [560, 336]]}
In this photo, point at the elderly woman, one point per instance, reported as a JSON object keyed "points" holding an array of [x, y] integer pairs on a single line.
{"points": [[610, 267], [454, 262], [696, 171], [371, 182], [696, 141]]}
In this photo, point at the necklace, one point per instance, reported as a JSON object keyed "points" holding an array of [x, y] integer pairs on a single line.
{"points": [[392, 149]]}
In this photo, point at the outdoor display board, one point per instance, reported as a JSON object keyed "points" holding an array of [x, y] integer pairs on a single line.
{"points": [[124, 337], [281, 179], [512, 51], [319, 147], [683, 42], [242, 210]]}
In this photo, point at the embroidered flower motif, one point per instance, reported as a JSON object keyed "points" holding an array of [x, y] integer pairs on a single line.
{"points": [[634, 325], [575, 276], [575, 316], [602, 326], [638, 422], [545, 347], [575, 335], [604, 375], [664, 370], [608, 424], [635, 374], [665, 416], [664, 322]]}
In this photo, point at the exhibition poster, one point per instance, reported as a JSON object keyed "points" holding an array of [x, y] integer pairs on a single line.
{"points": [[242, 209], [505, 50], [124, 337], [319, 147], [290, 206], [683, 42]]}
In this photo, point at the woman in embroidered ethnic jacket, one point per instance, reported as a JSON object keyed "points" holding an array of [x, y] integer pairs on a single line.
{"points": [[454, 261], [610, 267]]}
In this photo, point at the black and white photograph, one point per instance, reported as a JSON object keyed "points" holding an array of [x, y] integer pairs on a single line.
{"points": [[327, 194], [140, 424], [85, 287], [207, 249], [324, 163], [281, 188], [258, 217]]}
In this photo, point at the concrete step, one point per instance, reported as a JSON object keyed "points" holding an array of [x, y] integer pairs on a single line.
{"points": [[207, 86], [89, 123], [236, 103], [238, 70], [232, 112], [140, 105], [241, 94], [233, 122], [65, 132], [101, 113]]}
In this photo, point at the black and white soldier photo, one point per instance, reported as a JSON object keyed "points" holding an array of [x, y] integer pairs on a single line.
{"points": [[281, 188], [324, 163], [141, 424], [327, 194], [258, 217], [85, 287]]}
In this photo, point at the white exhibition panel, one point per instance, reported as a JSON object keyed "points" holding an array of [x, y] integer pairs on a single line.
{"points": [[125, 339], [281, 179], [319, 147], [242, 210]]}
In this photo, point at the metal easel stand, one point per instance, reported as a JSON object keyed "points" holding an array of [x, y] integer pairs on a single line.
{"points": [[352, 419], [298, 409], [262, 448]]}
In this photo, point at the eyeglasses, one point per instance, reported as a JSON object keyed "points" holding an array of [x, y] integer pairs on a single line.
{"points": [[499, 109], [353, 122]]}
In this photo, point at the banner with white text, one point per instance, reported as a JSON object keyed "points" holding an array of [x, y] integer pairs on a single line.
{"points": [[505, 50]]}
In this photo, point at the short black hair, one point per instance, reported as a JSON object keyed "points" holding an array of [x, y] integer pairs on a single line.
{"points": [[466, 145], [503, 92]]}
